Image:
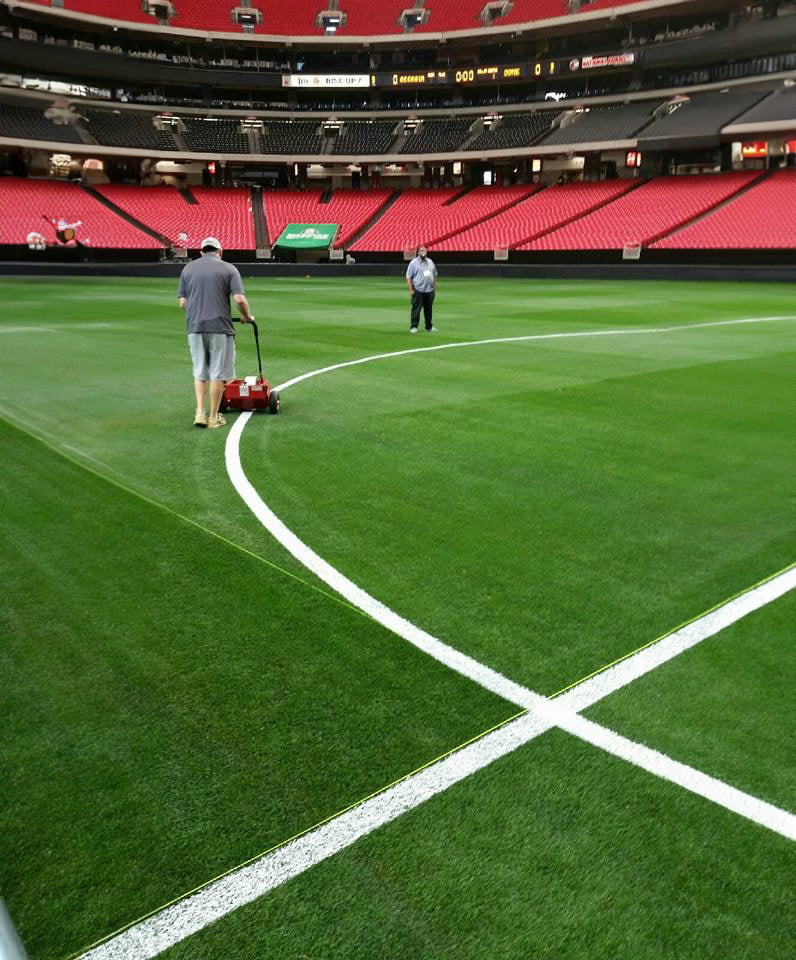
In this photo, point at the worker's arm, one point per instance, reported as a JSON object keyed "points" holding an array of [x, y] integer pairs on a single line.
{"points": [[243, 306], [183, 302]]}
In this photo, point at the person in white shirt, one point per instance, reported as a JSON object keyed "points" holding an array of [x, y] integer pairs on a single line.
{"points": [[421, 279]]}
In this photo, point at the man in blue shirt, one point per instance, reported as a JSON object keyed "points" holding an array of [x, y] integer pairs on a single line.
{"points": [[421, 278]]}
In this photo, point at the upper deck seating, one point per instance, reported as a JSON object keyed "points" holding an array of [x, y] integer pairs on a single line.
{"points": [[29, 123], [604, 124], [514, 130], [363, 17], [291, 136], [364, 137], [128, 129], [438, 136], [699, 118], [214, 136], [779, 106]]}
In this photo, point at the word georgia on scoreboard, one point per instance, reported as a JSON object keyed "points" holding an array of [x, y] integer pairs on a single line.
{"points": [[502, 73]]}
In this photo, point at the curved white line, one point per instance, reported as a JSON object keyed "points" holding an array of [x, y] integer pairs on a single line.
{"points": [[635, 331], [451, 657], [156, 933]]}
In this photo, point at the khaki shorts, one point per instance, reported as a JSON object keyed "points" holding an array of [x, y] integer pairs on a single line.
{"points": [[213, 356]]}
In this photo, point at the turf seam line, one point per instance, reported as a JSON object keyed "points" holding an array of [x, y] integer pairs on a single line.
{"points": [[669, 633], [192, 912], [625, 332], [305, 831], [569, 720], [166, 509]]}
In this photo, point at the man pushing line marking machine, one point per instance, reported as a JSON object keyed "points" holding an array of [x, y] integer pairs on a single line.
{"points": [[206, 286], [251, 393]]}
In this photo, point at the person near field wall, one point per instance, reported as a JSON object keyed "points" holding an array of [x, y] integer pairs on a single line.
{"points": [[206, 285], [421, 279]]}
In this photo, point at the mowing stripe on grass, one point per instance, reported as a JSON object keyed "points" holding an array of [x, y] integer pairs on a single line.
{"points": [[164, 928], [174, 923], [617, 675], [634, 331]]}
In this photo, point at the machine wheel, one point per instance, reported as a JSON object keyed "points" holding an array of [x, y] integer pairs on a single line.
{"points": [[273, 402]]}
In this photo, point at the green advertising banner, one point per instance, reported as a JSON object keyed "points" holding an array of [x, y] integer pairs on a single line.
{"points": [[308, 236]]}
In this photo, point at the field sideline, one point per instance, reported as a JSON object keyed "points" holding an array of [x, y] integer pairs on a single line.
{"points": [[183, 693]]}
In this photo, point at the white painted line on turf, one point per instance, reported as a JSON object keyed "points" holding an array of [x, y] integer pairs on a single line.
{"points": [[181, 920], [155, 934], [759, 811], [633, 331], [175, 923], [624, 672], [382, 614]]}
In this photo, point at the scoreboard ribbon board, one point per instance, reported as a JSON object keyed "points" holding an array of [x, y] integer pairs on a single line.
{"points": [[541, 69], [502, 73]]}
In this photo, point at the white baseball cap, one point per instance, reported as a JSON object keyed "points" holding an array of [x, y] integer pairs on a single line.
{"points": [[210, 242]]}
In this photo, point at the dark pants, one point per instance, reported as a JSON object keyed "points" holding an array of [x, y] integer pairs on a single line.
{"points": [[424, 300]]}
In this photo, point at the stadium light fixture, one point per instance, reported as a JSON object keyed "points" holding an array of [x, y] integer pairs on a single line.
{"points": [[331, 20], [413, 17], [494, 10]]}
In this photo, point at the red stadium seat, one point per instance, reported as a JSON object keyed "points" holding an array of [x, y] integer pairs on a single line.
{"points": [[536, 214], [352, 209], [763, 217], [428, 216], [27, 205], [644, 214], [225, 213], [363, 17]]}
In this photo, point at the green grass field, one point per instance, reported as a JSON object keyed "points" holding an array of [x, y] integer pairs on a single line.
{"points": [[180, 694]]}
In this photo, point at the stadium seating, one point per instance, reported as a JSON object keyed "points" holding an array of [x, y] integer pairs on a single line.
{"points": [[27, 204], [426, 216], [221, 212], [214, 136], [778, 105], [603, 124], [703, 115], [363, 17], [299, 137], [351, 209], [207, 15], [645, 213], [525, 11], [538, 213], [438, 136], [454, 14], [128, 11], [128, 129], [514, 130], [363, 137], [763, 217], [29, 123]]}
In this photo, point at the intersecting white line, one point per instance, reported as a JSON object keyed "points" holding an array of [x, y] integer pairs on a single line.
{"points": [[155, 934], [175, 923]]}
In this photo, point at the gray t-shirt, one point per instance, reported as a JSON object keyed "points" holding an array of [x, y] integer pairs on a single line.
{"points": [[207, 284], [422, 273]]}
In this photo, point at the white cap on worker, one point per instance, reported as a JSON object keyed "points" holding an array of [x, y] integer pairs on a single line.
{"points": [[210, 242]]}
